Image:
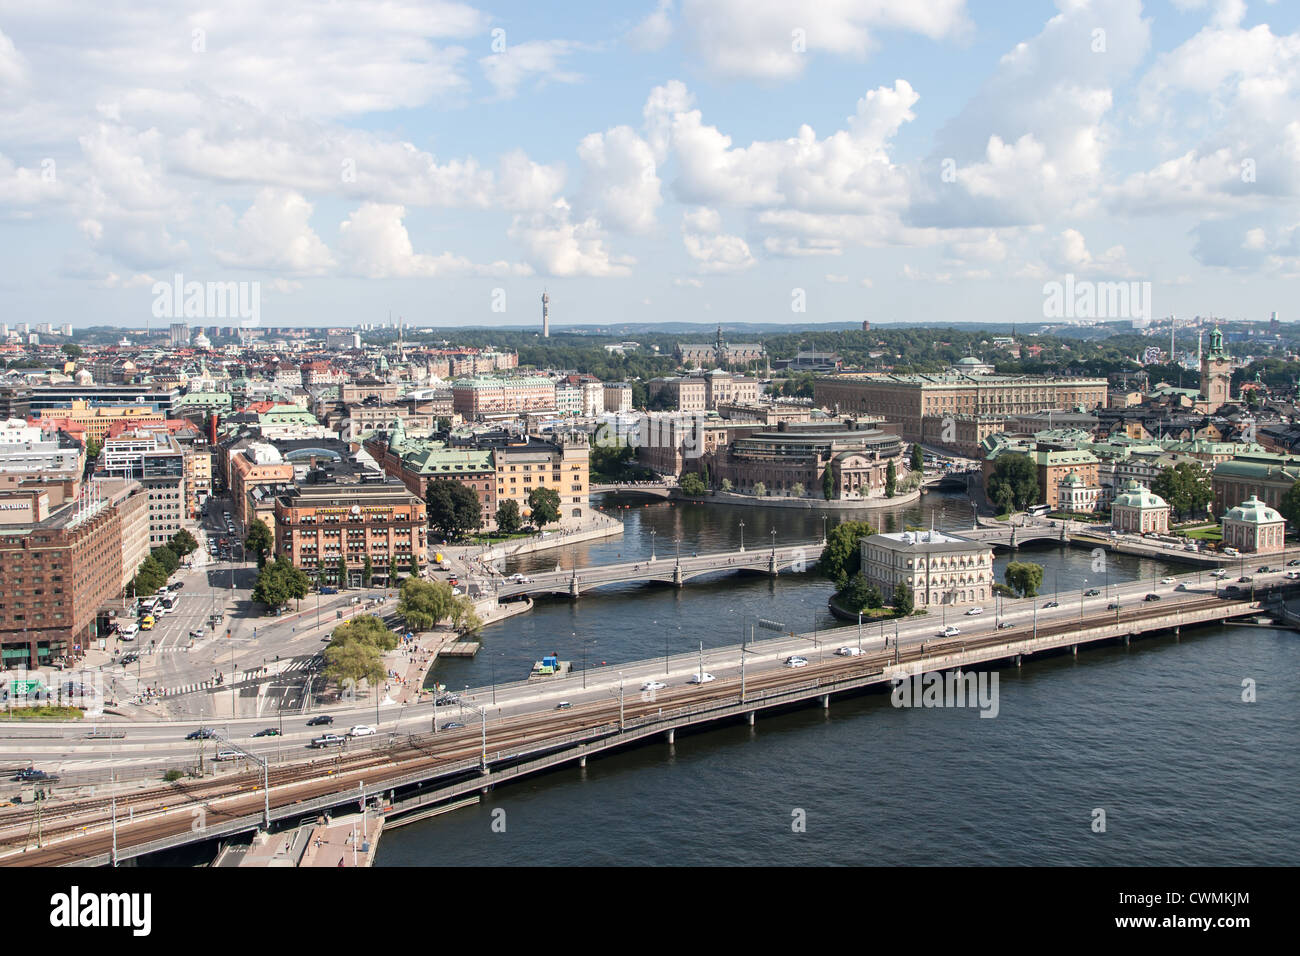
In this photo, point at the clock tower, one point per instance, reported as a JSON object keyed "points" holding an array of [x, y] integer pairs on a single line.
{"points": [[1216, 374]]}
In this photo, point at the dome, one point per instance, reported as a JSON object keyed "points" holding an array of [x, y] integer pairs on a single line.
{"points": [[1137, 495], [201, 341], [1253, 511], [967, 362]]}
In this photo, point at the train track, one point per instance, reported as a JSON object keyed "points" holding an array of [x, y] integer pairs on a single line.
{"points": [[241, 795]]}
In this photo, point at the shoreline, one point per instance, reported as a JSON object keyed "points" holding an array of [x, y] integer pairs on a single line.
{"points": [[801, 504]]}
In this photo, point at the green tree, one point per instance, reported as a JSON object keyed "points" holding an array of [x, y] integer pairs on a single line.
{"points": [[343, 571], [72, 350], [415, 565], [1289, 507], [828, 483], [259, 541], [367, 572], [691, 484], [183, 543], [392, 572], [842, 557], [891, 479], [859, 595], [271, 588], [760, 489], [422, 604], [1186, 488], [704, 474], [1024, 577], [544, 503], [464, 619], [166, 557], [904, 600], [454, 509], [364, 629], [1014, 482], [918, 460], [353, 662], [149, 577], [797, 489], [509, 520], [726, 484]]}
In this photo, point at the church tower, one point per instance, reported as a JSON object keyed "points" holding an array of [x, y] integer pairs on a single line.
{"points": [[1216, 374]]}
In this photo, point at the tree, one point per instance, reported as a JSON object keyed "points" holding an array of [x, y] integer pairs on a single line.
{"points": [[509, 520], [364, 629], [415, 565], [726, 484], [891, 479], [259, 541], [367, 572], [392, 572], [183, 543], [904, 601], [704, 474], [842, 557], [1186, 488], [1014, 482], [149, 577], [279, 582], [454, 509], [544, 503], [1289, 507], [760, 489], [691, 484], [918, 460], [166, 557], [343, 571], [72, 350], [422, 604], [464, 619], [797, 489], [353, 662], [828, 483], [859, 595], [1024, 577]]}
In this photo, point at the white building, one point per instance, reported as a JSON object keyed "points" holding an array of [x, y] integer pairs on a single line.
{"points": [[1076, 495], [939, 568], [1254, 528], [25, 448], [1139, 511]]}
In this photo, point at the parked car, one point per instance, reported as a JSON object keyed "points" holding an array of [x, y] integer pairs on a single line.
{"points": [[327, 589], [176, 586], [446, 700], [317, 721], [361, 730], [203, 733], [327, 740], [32, 775]]}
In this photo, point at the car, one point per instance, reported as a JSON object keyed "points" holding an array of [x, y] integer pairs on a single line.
{"points": [[1051, 604], [1264, 570], [446, 700], [176, 586], [129, 659], [1005, 625], [322, 719], [1244, 579], [975, 610], [196, 634], [1218, 573], [1181, 587], [701, 677], [1091, 592], [1113, 606], [453, 725], [1152, 597], [796, 661], [653, 685], [268, 732], [848, 651], [327, 589], [326, 740], [203, 733], [565, 705], [227, 755], [1293, 563], [147, 623], [30, 774], [457, 591], [950, 631], [361, 730], [1166, 580], [1292, 575]]}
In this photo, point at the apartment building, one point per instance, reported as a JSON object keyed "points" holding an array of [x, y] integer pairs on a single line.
{"points": [[476, 397]]}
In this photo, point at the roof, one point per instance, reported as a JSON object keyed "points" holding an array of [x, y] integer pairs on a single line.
{"points": [[1253, 511], [1137, 495], [925, 542]]}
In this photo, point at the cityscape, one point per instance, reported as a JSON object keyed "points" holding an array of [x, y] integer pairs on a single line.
{"points": [[614, 530]]}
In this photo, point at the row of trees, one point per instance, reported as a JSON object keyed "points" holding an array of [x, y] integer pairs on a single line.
{"points": [[423, 604], [455, 510], [162, 563], [279, 583]]}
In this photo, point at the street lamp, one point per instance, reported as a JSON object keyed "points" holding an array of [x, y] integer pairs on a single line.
{"points": [[742, 536], [823, 529], [652, 544], [773, 542]]}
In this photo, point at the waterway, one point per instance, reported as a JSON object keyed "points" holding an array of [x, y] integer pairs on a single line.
{"points": [[1155, 735]]}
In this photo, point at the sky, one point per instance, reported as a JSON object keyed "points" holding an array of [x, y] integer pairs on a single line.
{"points": [[684, 160]]}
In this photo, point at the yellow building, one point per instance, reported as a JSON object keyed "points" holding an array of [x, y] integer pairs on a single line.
{"points": [[98, 419]]}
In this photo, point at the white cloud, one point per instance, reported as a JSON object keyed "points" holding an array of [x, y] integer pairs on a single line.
{"points": [[532, 59], [373, 242], [620, 186], [1069, 253], [774, 39], [275, 233], [721, 253], [654, 32], [559, 246]]}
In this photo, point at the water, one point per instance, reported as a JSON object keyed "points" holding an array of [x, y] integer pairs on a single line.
{"points": [[1154, 734]]}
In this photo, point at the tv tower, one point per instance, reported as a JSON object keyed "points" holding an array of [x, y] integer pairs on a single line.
{"points": [[546, 315]]}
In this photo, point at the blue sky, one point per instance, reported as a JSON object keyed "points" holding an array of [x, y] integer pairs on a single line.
{"points": [[707, 160]]}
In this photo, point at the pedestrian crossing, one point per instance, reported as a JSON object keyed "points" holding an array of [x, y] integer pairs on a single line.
{"points": [[256, 675]]}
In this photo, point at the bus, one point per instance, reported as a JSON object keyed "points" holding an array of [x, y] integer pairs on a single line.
{"points": [[1037, 511]]}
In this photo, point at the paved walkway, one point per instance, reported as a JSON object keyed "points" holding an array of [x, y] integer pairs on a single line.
{"points": [[346, 841]]}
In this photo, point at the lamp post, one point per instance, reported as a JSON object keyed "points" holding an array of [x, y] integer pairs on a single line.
{"points": [[652, 544], [773, 542], [823, 529], [742, 536]]}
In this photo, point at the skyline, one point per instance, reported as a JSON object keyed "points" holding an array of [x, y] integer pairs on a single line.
{"points": [[709, 161]]}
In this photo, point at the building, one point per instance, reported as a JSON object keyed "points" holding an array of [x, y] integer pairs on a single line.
{"points": [[58, 567], [1261, 475], [1137, 510], [258, 464], [939, 568], [562, 465], [15, 401], [1254, 528], [60, 396], [178, 335], [857, 453], [154, 458], [720, 353], [618, 397], [909, 399], [97, 420], [28, 448], [1216, 374], [475, 398], [1076, 496], [316, 525]]}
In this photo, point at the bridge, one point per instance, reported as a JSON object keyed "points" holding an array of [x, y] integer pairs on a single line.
{"points": [[674, 569], [653, 489], [1012, 536], [417, 771]]}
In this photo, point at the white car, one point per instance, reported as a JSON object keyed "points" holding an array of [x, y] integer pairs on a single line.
{"points": [[653, 685], [796, 661], [1220, 573], [849, 651], [975, 610], [950, 631], [361, 730], [1166, 580], [702, 677]]}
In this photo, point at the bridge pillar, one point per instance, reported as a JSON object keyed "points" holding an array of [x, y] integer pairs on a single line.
{"points": [[1127, 638], [671, 736], [677, 574], [1075, 650], [573, 586], [826, 701], [771, 564], [749, 718], [582, 761], [1017, 660]]}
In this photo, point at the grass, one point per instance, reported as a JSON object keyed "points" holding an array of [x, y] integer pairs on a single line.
{"points": [[1207, 533], [51, 712]]}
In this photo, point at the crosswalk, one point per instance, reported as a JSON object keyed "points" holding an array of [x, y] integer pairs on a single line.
{"points": [[257, 675]]}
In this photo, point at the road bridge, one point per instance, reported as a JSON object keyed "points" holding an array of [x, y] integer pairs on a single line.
{"points": [[653, 489], [666, 569]]}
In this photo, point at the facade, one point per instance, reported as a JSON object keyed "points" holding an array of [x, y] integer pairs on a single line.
{"points": [[155, 459], [98, 420], [1138, 511], [1076, 495], [857, 454], [26, 448], [477, 397], [258, 464], [1216, 374], [162, 400], [939, 568], [563, 465], [720, 353], [1259, 475], [909, 399], [317, 524], [618, 397], [1254, 528]]}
